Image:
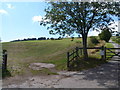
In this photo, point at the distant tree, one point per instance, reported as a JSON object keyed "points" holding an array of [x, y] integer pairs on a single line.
{"points": [[60, 38], [72, 38], [79, 17], [105, 35], [42, 38], [79, 36], [52, 38], [117, 35], [47, 38]]}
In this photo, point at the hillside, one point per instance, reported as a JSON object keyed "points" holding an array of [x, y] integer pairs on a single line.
{"points": [[21, 54]]}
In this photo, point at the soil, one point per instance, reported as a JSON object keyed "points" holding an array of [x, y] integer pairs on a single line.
{"points": [[40, 66]]}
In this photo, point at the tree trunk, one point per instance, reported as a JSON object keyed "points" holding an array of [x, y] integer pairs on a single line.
{"points": [[85, 53]]}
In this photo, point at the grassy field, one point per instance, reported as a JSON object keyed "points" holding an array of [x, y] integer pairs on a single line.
{"points": [[116, 39], [22, 54]]}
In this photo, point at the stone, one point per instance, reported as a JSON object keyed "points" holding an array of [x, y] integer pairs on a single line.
{"points": [[40, 66]]}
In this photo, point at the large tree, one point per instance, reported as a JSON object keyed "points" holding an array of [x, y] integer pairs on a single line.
{"points": [[79, 17]]}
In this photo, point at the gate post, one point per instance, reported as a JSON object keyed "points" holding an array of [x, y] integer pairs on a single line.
{"points": [[68, 60], [102, 53], [105, 53], [77, 51], [4, 65]]}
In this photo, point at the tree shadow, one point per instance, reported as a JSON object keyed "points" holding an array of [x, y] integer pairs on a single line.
{"points": [[5, 73], [106, 75], [80, 64]]}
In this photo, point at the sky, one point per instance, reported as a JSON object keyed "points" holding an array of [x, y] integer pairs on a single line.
{"points": [[19, 20]]}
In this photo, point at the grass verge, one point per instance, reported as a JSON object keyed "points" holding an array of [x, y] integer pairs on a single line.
{"points": [[82, 64], [116, 39]]}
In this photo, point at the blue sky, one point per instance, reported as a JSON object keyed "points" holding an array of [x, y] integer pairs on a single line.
{"points": [[20, 20]]}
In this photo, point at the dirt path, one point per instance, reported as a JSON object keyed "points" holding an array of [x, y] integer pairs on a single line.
{"points": [[104, 76]]}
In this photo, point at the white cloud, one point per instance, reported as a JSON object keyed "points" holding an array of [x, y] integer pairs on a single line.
{"points": [[37, 18], [10, 6], [93, 33], [2, 11]]}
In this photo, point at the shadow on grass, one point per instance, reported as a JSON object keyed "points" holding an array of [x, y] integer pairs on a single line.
{"points": [[81, 64], [6, 73]]}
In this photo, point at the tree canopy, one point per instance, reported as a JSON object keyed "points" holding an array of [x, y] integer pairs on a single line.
{"points": [[105, 35], [79, 17]]}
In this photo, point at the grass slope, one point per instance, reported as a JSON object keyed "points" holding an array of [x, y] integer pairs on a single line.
{"points": [[21, 54]]}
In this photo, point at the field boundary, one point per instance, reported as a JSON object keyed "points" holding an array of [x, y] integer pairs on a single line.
{"points": [[72, 57]]}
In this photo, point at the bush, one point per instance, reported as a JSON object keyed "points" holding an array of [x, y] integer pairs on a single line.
{"points": [[94, 40], [105, 35]]}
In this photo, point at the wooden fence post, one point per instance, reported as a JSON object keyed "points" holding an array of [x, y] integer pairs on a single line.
{"points": [[4, 65], [102, 52], [77, 52], [73, 55], [67, 59], [80, 51], [105, 53]]}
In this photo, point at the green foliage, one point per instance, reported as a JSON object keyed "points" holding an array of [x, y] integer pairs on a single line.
{"points": [[79, 17], [94, 40], [109, 45], [116, 39], [105, 35]]}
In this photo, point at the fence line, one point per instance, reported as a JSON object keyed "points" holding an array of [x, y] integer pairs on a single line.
{"points": [[74, 55], [103, 53]]}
